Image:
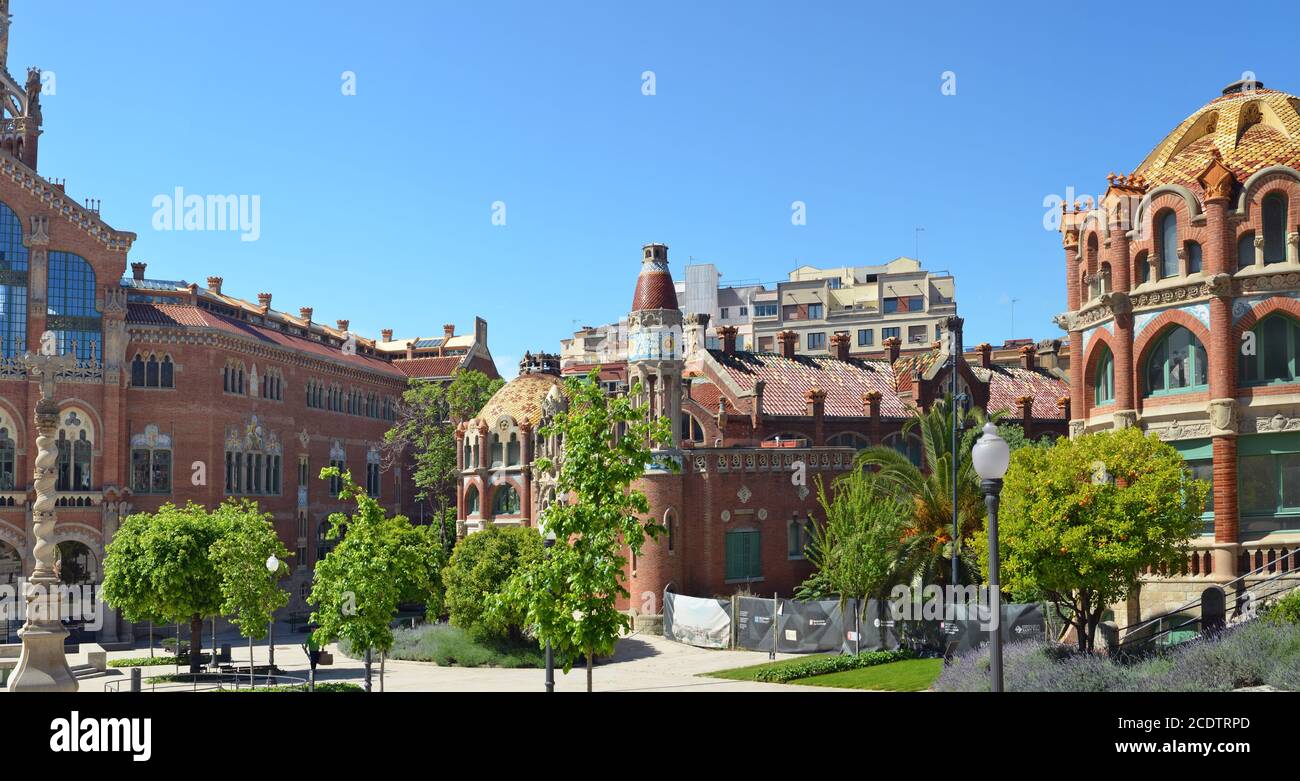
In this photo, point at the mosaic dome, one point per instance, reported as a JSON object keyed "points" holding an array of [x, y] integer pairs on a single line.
{"points": [[1251, 128], [520, 399]]}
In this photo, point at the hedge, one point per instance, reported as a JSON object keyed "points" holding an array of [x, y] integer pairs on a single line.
{"points": [[831, 664]]}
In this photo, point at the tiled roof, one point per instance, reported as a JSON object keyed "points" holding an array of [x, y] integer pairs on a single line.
{"points": [[786, 380], [1008, 384], [707, 395], [153, 284], [1271, 124], [195, 317], [521, 399], [429, 368]]}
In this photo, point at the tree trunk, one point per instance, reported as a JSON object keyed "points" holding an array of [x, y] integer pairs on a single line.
{"points": [[590, 656], [368, 661], [250, 661], [196, 642]]}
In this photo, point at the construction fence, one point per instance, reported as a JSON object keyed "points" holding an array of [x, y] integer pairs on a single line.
{"points": [[790, 626]]}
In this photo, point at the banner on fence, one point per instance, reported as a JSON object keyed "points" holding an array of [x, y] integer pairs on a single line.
{"points": [[701, 622], [869, 627], [809, 627], [754, 623]]}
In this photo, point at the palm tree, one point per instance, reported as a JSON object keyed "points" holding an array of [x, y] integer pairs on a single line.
{"points": [[928, 489]]}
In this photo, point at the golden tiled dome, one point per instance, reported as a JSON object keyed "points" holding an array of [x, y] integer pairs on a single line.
{"points": [[520, 399], [1250, 127]]}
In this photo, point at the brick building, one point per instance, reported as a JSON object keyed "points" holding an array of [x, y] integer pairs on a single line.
{"points": [[1182, 288], [736, 519], [180, 393]]}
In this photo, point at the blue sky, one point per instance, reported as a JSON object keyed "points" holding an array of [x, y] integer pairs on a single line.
{"points": [[377, 206]]}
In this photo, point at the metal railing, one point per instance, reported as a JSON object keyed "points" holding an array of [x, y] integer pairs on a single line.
{"points": [[1248, 596], [232, 681]]}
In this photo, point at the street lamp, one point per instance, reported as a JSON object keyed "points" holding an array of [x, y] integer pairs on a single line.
{"points": [[273, 567], [991, 456], [547, 544]]}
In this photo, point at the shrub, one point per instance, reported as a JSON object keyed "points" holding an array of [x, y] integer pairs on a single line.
{"points": [[1255, 653], [1286, 610], [479, 567], [831, 664], [450, 646]]}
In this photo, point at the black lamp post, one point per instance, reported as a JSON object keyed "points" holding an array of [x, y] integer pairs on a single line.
{"points": [[547, 544], [991, 456]]}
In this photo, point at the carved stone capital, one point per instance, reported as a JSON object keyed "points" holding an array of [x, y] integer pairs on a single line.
{"points": [[1221, 285], [1125, 418], [1259, 242], [1070, 238], [1120, 303], [1223, 417], [1076, 428]]}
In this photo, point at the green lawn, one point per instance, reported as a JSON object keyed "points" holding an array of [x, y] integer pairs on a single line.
{"points": [[909, 675]]}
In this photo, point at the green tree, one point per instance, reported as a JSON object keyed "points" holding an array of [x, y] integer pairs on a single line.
{"points": [[859, 549], [569, 595], [1080, 522], [250, 594], [159, 567], [378, 564], [928, 490], [427, 418], [479, 568]]}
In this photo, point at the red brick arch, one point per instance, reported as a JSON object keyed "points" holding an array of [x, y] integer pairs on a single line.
{"points": [[1263, 309], [1156, 329], [1146, 236], [486, 510], [1100, 338], [1272, 183]]}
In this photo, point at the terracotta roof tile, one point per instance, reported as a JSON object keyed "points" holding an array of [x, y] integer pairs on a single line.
{"points": [[439, 368], [786, 380], [185, 316], [521, 399]]}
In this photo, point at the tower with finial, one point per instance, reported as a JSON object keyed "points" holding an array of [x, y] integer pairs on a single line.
{"points": [[20, 104], [655, 356]]}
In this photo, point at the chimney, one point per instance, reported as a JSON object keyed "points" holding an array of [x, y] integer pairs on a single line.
{"points": [[264, 300], [816, 398], [305, 314], [343, 324], [756, 411], [448, 331], [787, 340], [1027, 357], [1049, 354], [410, 348], [387, 335], [1025, 408], [214, 285], [728, 335], [871, 404], [1063, 404], [986, 354], [840, 346], [194, 294], [891, 348], [137, 271]]}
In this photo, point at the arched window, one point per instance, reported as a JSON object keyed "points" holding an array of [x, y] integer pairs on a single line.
{"points": [[1193, 257], [1176, 363], [909, 446], [13, 285], [151, 462], [75, 563], [1274, 217], [72, 313], [691, 431], [1103, 279], [137, 371], [253, 460], [1246, 251], [1168, 222], [848, 439], [498, 452], [11, 564], [1272, 358], [151, 372], [1142, 268], [505, 501], [513, 454], [1104, 382], [74, 464], [168, 373], [8, 458], [471, 501]]}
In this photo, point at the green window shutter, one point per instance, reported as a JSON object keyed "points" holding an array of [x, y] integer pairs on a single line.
{"points": [[743, 555]]}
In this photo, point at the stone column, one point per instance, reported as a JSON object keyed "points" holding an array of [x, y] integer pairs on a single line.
{"points": [[43, 665]]}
